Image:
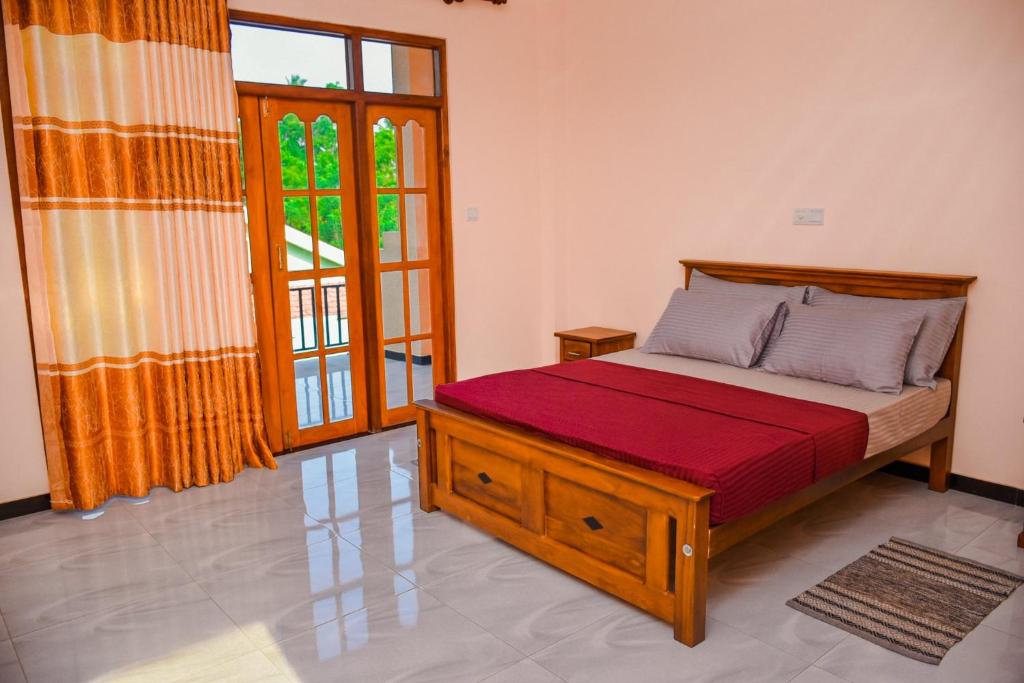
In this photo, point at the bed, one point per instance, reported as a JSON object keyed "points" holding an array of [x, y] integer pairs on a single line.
{"points": [[634, 526]]}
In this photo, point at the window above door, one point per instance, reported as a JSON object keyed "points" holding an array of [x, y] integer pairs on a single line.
{"points": [[271, 54]]}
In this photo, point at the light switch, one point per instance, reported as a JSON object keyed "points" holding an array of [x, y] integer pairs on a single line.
{"points": [[472, 214], [808, 216]]}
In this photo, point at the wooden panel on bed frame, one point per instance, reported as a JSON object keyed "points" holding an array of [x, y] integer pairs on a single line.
{"points": [[632, 532]]}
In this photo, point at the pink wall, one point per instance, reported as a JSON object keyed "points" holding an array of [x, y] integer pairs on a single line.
{"points": [[692, 129]]}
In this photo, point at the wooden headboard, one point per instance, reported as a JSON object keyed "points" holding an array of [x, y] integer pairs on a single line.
{"points": [[883, 283]]}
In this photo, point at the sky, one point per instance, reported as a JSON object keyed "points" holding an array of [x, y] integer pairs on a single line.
{"points": [[265, 55]]}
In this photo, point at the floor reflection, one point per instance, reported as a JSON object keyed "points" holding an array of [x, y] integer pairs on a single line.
{"points": [[340, 404]]}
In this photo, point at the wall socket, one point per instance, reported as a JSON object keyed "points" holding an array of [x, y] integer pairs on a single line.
{"points": [[808, 216], [472, 214]]}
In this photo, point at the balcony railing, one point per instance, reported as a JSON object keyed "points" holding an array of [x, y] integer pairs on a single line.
{"points": [[304, 338]]}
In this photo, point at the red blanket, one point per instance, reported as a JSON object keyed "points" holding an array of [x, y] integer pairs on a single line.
{"points": [[750, 447]]}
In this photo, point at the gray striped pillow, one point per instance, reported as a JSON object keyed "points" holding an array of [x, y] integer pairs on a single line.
{"points": [[725, 329], [705, 284], [857, 348], [940, 320]]}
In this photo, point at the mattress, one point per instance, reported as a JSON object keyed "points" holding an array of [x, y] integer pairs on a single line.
{"points": [[749, 446], [892, 419]]}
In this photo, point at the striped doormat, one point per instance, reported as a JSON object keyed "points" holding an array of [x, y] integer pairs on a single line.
{"points": [[908, 598]]}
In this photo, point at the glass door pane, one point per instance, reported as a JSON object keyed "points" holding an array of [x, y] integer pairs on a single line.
{"points": [[302, 315], [396, 376], [308, 401], [339, 387], [405, 183], [335, 312]]}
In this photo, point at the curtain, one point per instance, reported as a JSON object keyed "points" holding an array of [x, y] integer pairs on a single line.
{"points": [[125, 129]]}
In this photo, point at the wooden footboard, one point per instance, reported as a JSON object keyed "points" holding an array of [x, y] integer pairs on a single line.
{"points": [[634, 533]]}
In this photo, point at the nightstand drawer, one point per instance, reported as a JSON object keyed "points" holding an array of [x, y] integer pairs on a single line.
{"points": [[590, 342], [575, 350]]}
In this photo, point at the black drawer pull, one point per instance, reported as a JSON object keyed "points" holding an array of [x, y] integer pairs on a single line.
{"points": [[484, 478], [593, 523]]}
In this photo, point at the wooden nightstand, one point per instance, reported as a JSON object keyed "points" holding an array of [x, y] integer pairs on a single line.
{"points": [[587, 342]]}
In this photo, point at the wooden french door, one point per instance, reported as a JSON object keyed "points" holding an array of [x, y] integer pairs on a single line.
{"points": [[348, 258], [309, 187], [405, 205]]}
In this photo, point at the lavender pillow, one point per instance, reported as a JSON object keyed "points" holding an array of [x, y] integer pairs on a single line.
{"points": [[701, 283], [940, 320], [858, 348], [725, 329]]}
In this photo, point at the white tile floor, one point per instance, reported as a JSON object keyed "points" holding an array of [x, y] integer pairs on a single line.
{"points": [[325, 570]]}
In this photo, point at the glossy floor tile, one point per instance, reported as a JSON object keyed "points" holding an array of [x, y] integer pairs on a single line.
{"points": [[525, 603], [179, 632], [813, 674], [294, 593], [427, 548], [632, 646], [253, 667], [524, 671], [51, 535], [10, 667], [50, 592], [411, 637], [984, 655], [748, 589], [326, 570]]}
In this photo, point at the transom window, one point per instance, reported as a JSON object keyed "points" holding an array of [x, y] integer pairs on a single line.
{"points": [[271, 54], [264, 54]]}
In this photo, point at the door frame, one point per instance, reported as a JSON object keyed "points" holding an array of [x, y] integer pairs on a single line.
{"points": [[260, 248]]}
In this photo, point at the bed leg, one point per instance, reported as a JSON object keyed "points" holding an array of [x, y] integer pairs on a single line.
{"points": [[425, 455], [691, 589], [941, 464]]}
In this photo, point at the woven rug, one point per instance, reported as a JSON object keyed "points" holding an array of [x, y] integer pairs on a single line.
{"points": [[909, 598]]}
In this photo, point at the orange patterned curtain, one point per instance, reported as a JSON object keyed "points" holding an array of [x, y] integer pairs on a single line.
{"points": [[126, 135]]}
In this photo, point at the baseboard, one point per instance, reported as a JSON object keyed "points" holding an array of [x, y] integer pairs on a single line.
{"points": [[24, 506], [958, 482]]}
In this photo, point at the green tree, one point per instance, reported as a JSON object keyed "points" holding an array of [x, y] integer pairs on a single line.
{"points": [[295, 172], [386, 156]]}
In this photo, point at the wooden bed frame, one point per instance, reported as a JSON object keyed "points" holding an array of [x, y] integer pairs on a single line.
{"points": [[632, 532]]}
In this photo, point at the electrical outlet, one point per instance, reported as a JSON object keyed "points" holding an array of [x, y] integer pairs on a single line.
{"points": [[808, 216], [472, 214]]}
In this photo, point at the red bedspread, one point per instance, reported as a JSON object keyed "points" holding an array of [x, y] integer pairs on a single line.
{"points": [[750, 447]]}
